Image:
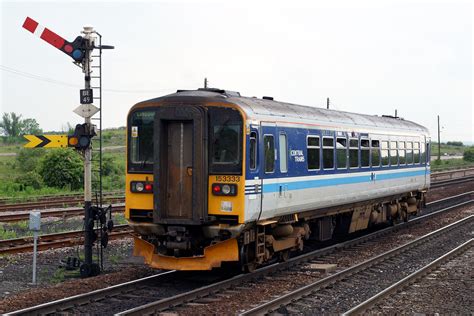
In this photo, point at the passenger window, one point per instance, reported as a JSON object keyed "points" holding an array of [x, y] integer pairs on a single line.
{"points": [[409, 153], [354, 153], [283, 153], [384, 154], [341, 153], [328, 153], [375, 153], [313, 153], [253, 151], [364, 153], [393, 154], [401, 153], [269, 146]]}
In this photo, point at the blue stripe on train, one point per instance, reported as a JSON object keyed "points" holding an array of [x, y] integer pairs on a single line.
{"points": [[308, 184]]}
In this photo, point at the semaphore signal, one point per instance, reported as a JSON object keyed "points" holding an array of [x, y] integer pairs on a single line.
{"points": [[76, 50]]}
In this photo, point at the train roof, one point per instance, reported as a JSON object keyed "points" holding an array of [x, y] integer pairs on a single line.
{"points": [[269, 109]]}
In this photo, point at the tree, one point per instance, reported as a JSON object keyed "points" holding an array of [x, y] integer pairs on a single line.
{"points": [[29, 159], [30, 127], [11, 124], [62, 168]]}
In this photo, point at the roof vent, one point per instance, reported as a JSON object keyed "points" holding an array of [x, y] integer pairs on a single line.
{"points": [[267, 98]]}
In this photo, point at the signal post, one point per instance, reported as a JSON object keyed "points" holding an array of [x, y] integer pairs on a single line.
{"points": [[80, 50]]}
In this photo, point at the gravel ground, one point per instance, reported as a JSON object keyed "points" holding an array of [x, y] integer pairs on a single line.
{"points": [[447, 290], [54, 282], [254, 293]]}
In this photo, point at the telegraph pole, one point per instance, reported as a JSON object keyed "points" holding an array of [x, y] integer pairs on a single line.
{"points": [[205, 83], [327, 103]]}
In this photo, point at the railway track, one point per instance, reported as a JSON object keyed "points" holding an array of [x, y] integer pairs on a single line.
{"points": [[443, 183], [138, 298], [60, 212], [57, 202], [52, 197], [341, 291], [418, 274], [58, 240]]}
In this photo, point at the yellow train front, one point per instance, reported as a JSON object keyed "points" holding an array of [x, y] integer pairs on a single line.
{"points": [[214, 177], [184, 186]]}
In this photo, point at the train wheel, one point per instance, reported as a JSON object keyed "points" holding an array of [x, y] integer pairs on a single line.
{"points": [[284, 255], [247, 258]]}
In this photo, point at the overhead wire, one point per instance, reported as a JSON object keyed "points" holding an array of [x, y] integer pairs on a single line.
{"points": [[63, 83]]}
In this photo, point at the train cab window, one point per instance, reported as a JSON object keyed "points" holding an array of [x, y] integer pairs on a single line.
{"points": [[375, 153], [328, 152], [225, 141], [401, 153], [354, 153], [393, 154], [341, 153], [283, 146], [312, 144], [364, 153], [416, 152], [269, 147], [409, 154], [253, 151], [384, 154], [140, 135]]}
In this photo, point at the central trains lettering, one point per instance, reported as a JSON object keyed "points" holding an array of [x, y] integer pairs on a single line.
{"points": [[298, 155], [228, 178]]}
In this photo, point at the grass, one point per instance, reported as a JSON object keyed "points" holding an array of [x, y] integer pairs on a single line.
{"points": [[448, 150], [447, 164]]}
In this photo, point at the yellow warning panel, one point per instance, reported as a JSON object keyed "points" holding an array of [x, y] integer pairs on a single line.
{"points": [[46, 141]]}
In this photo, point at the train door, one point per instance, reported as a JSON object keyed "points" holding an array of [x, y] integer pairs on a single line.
{"points": [[253, 187], [282, 168], [180, 173], [270, 190]]}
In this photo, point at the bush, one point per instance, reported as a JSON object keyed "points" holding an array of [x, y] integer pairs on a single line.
{"points": [[29, 179], [29, 159], [469, 154], [62, 168]]}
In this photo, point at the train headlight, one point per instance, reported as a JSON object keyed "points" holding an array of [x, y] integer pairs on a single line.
{"points": [[226, 189], [139, 187]]}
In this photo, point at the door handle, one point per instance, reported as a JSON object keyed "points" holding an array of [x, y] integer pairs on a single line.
{"points": [[189, 170]]}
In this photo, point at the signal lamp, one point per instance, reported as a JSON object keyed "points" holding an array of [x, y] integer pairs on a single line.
{"points": [[73, 141], [216, 189], [225, 189], [148, 187]]}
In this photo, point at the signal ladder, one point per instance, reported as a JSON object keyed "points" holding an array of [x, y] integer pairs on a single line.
{"points": [[97, 159]]}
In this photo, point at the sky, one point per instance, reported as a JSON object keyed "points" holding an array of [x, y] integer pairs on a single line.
{"points": [[368, 57]]}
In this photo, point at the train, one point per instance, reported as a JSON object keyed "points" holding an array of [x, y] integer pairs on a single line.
{"points": [[217, 178]]}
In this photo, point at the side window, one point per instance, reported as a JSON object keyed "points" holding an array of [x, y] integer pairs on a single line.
{"points": [[409, 155], [341, 153], [375, 153], [283, 153], [313, 152], [354, 153], [253, 151], [393, 154], [328, 152], [416, 152], [384, 154], [401, 153], [364, 153], [269, 145]]}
